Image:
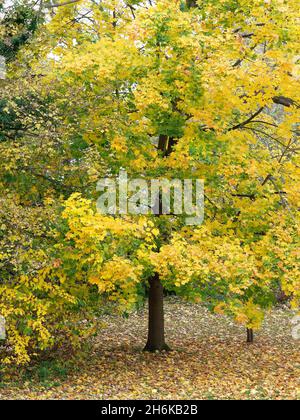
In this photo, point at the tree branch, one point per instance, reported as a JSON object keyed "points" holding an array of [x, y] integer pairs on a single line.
{"points": [[243, 124], [51, 6], [283, 100]]}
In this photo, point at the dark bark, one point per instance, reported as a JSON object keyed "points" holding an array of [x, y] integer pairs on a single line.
{"points": [[162, 143], [166, 144], [156, 330], [250, 335]]}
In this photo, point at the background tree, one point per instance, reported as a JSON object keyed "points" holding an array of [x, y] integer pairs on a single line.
{"points": [[42, 163]]}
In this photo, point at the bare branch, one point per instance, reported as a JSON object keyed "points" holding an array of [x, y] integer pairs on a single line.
{"points": [[283, 100], [243, 124]]}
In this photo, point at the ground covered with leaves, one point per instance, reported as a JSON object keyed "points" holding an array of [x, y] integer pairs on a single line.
{"points": [[210, 360]]}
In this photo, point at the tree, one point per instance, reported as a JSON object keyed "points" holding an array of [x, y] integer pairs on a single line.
{"points": [[211, 85], [169, 90]]}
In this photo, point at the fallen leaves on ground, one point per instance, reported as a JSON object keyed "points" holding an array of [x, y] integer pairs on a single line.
{"points": [[210, 360]]}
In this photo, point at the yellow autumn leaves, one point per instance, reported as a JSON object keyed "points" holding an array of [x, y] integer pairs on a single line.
{"points": [[193, 76]]}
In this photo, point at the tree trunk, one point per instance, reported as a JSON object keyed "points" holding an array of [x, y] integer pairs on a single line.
{"points": [[156, 331], [250, 335], [156, 324]]}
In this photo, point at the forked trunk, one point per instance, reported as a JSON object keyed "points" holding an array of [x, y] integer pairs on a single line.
{"points": [[156, 330]]}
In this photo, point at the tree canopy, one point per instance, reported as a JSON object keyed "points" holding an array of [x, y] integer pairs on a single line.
{"points": [[197, 89]]}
